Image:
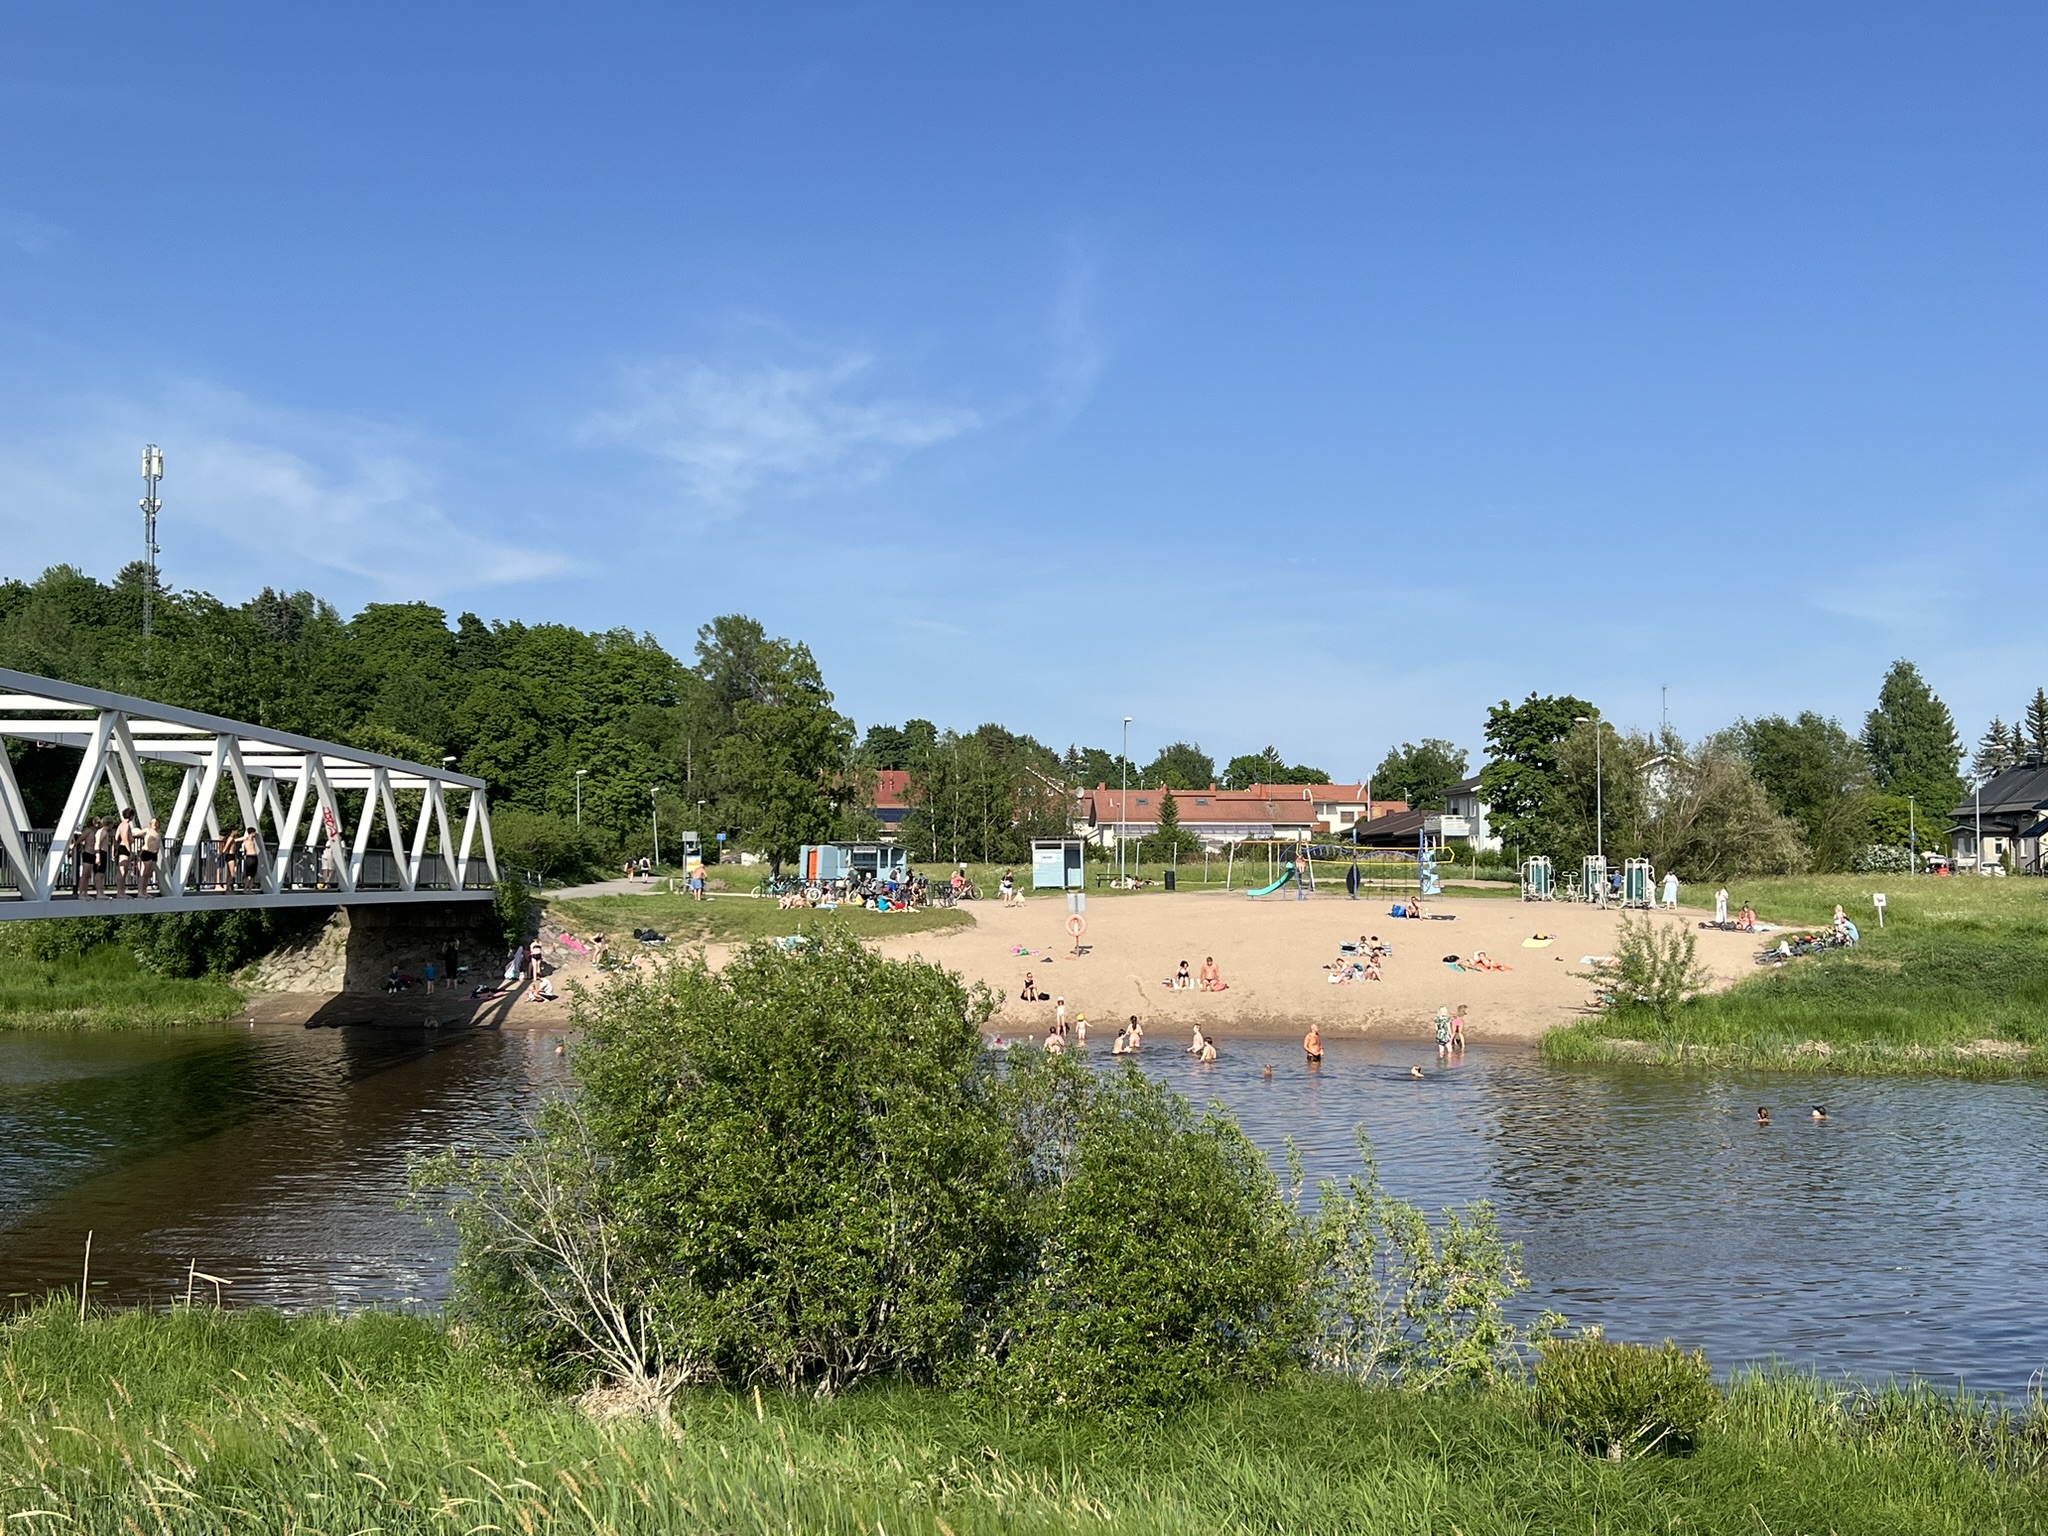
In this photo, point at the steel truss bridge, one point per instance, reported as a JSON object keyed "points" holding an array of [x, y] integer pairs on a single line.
{"points": [[296, 792]]}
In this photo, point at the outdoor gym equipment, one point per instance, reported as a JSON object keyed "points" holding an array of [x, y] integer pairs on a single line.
{"points": [[1593, 879], [1538, 882], [1638, 880]]}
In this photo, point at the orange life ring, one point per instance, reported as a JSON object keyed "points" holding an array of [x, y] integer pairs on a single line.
{"points": [[1077, 925]]}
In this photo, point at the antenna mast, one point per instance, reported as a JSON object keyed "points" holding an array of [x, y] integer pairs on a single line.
{"points": [[152, 477]]}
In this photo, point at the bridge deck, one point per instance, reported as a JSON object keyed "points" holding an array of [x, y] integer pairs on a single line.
{"points": [[298, 795]]}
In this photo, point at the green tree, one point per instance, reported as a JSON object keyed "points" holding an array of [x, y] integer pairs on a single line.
{"points": [[2036, 728], [782, 764], [1911, 740], [1422, 775], [1520, 779], [1999, 748], [1091, 767], [1183, 765], [1171, 842], [1706, 816], [1268, 767], [1816, 773]]}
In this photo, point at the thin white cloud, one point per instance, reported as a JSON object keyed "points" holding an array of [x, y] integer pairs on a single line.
{"points": [[736, 431], [252, 495], [27, 232], [1078, 355]]}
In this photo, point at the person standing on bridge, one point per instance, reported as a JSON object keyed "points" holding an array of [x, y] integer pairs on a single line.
{"points": [[124, 852], [149, 860], [252, 858], [102, 854]]}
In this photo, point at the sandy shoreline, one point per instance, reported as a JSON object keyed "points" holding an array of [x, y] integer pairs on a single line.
{"points": [[1272, 953]]}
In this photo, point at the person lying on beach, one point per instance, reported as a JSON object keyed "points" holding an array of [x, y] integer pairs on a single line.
{"points": [[1479, 962]]}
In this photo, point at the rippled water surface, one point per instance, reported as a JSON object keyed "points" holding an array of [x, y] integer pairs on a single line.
{"points": [[1908, 1233]]}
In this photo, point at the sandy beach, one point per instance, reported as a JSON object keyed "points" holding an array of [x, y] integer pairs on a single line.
{"points": [[1273, 954]]}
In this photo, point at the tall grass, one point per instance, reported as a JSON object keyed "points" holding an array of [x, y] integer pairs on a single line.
{"points": [[105, 988], [1955, 981], [198, 1422]]}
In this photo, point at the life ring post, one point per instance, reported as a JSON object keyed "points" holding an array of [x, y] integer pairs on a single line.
{"points": [[1077, 925]]}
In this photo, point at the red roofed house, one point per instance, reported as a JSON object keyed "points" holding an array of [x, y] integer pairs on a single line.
{"points": [[1220, 816], [892, 799]]}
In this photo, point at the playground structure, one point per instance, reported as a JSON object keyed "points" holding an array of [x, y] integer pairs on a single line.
{"points": [[1286, 860]]}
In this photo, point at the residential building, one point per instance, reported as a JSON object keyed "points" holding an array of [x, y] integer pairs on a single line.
{"points": [[892, 799], [2012, 809], [1297, 812]]}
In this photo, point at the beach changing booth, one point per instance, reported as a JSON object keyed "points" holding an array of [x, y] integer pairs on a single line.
{"points": [[1539, 883], [1056, 864], [825, 862], [1637, 882]]}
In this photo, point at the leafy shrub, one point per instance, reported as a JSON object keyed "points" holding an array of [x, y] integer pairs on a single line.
{"points": [[1621, 1400], [1885, 859], [509, 903], [1655, 967], [542, 843], [180, 945], [791, 1172], [1160, 1258], [1390, 1299]]}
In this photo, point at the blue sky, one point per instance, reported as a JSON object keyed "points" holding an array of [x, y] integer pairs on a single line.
{"points": [[1315, 375]]}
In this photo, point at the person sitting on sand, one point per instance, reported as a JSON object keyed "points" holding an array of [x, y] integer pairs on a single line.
{"points": [[1183, 979], [1415, 907], [1370, 971], [1745, 920], [1312, 1043], [1030, 992], [1211, 979]]}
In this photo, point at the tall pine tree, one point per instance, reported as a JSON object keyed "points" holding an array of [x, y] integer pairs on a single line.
{"points": [[2036, 728], [1911, 740], [1997, 750]]}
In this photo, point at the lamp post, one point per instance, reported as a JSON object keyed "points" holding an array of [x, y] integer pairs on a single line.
{"points": [[1123, 801], [652, 791], [580, 772], [1912, 839], [1599, 806], [152, 478], [1978, 792]]}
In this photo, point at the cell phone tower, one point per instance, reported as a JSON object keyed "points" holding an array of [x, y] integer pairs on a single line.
{"points": [[152, 477]]}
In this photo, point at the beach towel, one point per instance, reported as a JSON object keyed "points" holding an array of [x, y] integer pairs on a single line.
{"points": [[570, 941], [1538, 941], [1596, 959]]}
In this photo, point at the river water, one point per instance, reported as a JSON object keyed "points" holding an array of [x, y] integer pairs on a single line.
{"points": [[1907, 1234]]}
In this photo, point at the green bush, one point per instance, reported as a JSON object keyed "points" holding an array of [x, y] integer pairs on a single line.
{"points": [[1655, 968], [509, 903], [1161, 1262], [541, 843], [791, 1172], [1622, 1400]]}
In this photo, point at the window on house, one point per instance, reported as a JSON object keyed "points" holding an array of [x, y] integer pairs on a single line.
{"points": [[1143, 801], [1201, 800]]}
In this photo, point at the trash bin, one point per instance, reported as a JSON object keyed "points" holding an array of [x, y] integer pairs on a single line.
{"points": [[1170, 876]]}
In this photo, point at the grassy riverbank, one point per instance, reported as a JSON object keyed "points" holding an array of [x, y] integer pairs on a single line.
{"points": [[1955, 982], [737, 919], [104, 988], [198, 1422]]}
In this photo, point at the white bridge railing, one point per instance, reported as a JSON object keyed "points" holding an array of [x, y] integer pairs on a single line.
{"points": [[294, 792]]}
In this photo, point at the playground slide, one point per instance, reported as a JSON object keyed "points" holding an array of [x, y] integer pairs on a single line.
{"points": [[1285, 875]]}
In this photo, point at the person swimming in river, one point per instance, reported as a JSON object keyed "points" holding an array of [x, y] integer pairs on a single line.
{"points": [[1415, 1072], [1763, 1115], [1208, 1056], [1820, 1111], [1195, 1045], [1136, 1033], [1312, 1044]]}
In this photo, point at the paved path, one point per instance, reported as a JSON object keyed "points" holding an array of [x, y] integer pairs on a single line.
{"points": [[633, 887]]}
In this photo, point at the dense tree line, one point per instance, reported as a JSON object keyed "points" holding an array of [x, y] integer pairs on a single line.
{"points": [[1765, 796], [743, 740]]}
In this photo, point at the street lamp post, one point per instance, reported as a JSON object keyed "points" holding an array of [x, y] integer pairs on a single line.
{"points": [[1123, 802], [1912, 839], [1599, 806], [1979, 793], [580, 772], [652, 791]]}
